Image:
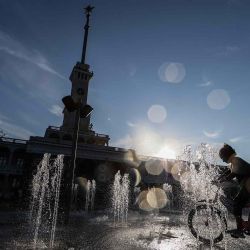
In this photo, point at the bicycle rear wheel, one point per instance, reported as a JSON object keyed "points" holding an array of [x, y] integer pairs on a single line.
{"points": [[207, 224]]}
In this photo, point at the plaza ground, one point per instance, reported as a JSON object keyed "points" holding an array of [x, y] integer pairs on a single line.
{"points": [[143, 231]]}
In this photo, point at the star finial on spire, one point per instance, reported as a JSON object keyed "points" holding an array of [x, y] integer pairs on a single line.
{"points": [[89, 9]]}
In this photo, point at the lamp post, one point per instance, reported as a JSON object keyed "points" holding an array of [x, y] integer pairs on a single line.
{"points": [[81, 112]]}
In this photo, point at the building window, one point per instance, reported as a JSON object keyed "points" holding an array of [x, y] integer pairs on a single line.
{"points": [[3, 161], [19, 163]]}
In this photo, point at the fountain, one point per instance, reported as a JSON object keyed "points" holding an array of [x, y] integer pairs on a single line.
{"points": [[90, 195], [120, 198], [93, 190], [169, 192], [88, 187], [196, 171], [147, 229], [45, 198]]}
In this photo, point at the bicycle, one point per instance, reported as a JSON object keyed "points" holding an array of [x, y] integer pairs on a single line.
{"points": [[208, 223]]}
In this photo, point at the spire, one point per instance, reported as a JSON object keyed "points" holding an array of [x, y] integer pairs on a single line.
{"points": [[88, 11]]}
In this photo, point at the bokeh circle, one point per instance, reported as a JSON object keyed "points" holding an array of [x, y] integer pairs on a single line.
{"points": [[157, 113], [172, 72], [218, 99]]}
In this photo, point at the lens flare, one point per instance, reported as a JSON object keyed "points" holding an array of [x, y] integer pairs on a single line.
{"points": [[168, 165], [132, 158], [178, 169], [157, 198], [154, 167], [82, 182], [211, 134], [157, 113], [135, 176], [143, 203], [172, 72], [218, 99]]}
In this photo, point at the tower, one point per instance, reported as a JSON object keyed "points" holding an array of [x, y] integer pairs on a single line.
{"points": [[79, 77]]}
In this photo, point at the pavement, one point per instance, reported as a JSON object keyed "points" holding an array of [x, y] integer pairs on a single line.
{"points": [[97, 231]]}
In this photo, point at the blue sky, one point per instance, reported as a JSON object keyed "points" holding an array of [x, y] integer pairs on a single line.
{"points": [[166, 73]]}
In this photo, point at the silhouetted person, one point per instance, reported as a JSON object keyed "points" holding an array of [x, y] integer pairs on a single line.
{"points": [[240, 170]]}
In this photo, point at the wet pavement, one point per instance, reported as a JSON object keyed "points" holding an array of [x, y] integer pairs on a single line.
{"points": [[97, 231]]}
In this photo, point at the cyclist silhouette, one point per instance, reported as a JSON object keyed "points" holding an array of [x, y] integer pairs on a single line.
{"points": [[239, 169]]}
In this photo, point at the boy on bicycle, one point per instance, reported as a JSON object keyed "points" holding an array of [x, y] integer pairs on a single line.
{"points": [[240, 170]]}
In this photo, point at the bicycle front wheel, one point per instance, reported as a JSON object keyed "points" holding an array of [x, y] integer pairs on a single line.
{"points": [[207, 224]]}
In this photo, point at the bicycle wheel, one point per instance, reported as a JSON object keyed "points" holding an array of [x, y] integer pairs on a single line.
{"points": [[207, 224]]}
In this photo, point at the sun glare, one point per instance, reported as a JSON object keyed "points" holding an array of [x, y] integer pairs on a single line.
{"points": [[147, 142], [166, 152]]}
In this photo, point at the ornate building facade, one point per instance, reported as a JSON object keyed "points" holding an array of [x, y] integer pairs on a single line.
{"points": [[95, 158]]}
